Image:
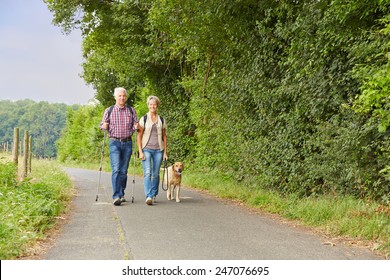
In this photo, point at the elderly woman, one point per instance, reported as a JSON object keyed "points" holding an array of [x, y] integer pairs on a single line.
{"points": [[152, 147]]}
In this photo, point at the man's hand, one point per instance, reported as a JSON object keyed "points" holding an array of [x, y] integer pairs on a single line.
{"points": [[105, 126]]}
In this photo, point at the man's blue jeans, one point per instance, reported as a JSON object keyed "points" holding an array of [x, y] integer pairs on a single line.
{"points": [[151, 166], [120, 154]]}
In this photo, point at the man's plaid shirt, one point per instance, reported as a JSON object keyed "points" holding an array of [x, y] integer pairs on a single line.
{"points": [[121, 122]]}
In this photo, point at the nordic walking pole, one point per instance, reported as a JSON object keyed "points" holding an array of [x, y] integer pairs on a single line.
{"points": [[101, 164], [135, 155], [165, 168]]}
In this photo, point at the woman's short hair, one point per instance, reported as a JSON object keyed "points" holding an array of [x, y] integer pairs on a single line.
{"points": [[153, 98], [119, 90]]}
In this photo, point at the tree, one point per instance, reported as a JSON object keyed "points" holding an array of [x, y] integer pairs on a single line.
{"points": [[257, 90], [42, 120]]}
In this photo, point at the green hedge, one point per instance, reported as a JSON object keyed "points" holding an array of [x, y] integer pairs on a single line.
{"points": [[292, 94]]}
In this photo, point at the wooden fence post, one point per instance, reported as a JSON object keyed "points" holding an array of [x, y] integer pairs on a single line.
{"points": [[15, 151], [29, 153], [25, 154]]}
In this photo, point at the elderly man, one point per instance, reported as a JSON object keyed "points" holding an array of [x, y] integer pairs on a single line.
{"points": [[120, 121]]}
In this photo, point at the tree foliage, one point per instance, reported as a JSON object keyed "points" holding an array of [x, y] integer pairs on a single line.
{"points": [[80, 139], [43, 121], [292, 94]]}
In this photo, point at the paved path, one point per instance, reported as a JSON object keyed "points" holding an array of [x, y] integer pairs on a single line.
{"points": [[200, 227]]}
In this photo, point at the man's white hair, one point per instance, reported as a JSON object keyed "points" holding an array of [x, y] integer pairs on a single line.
{"points": [[119, 90]]}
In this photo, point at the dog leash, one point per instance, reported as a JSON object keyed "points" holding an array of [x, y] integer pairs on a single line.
{"points": [[162, 181]]}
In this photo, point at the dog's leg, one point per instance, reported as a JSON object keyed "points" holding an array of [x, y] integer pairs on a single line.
{"points": [[169, 194], [172, 191], [178, 193]]}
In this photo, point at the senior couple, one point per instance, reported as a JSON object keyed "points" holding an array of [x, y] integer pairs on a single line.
{"points": [[121, 121]]}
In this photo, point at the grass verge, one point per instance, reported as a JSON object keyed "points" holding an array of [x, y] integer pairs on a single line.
{"points": [[30, 208]]}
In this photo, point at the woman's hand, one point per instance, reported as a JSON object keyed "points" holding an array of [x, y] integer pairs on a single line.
{"points": [[141, 155]]}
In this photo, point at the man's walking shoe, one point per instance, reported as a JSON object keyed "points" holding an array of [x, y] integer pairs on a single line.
{"points": [[123, 199], [149, 201], [154, 199], [117, 201]]}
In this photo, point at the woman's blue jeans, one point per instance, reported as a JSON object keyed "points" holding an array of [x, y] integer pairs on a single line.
{"points": [[151, 166], [120, 154]]}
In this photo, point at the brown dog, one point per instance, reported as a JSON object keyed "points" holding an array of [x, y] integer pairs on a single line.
{"points": [[174, 180]]}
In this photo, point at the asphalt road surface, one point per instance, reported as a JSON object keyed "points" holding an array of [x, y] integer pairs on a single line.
{"points": [[200, 227]]}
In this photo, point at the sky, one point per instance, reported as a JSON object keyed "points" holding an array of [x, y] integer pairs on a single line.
{"points": [[38, 61]]}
